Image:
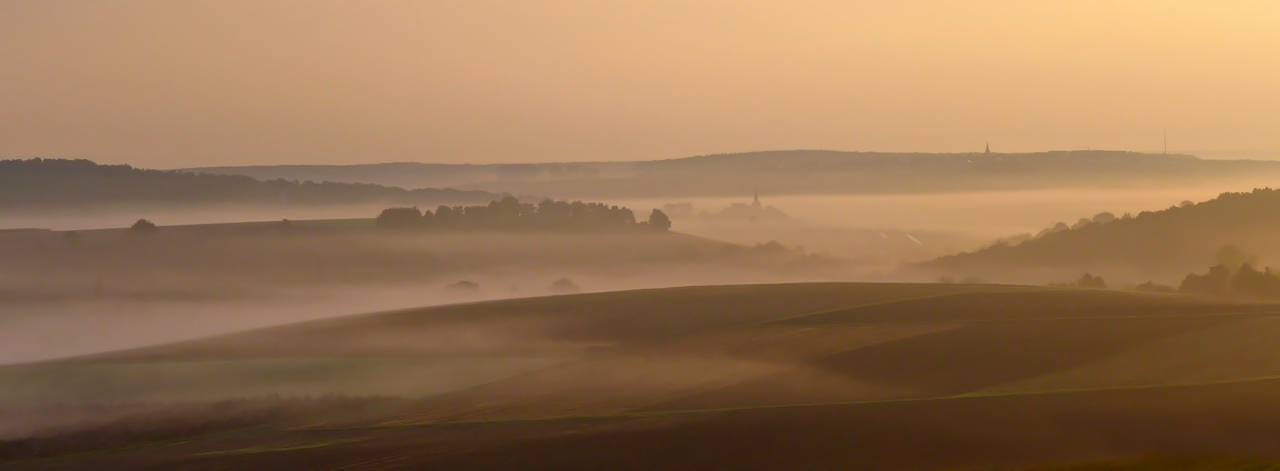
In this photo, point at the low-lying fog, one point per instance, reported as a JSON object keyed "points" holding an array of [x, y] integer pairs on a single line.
{"points": [[866, 232], [995, 213], [110, 290], [53, 329], [977, 214], [973, 217], [882, 231], [49, 329]]}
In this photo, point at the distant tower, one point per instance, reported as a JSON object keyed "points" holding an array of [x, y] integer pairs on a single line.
{"points": [[755, 204], [988, 151]]}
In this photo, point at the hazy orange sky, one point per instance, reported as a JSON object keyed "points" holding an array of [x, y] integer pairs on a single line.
{"points": [[175, 83]]}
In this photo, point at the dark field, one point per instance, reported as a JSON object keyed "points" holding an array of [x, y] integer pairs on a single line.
{"points": [[793, 376]]}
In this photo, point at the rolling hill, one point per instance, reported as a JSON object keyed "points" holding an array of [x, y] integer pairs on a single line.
{"points": [[55, 184], [791, 172], [813, 376], [1161, 245]]}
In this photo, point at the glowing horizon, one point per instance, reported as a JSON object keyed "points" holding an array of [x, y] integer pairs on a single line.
{"points": [[205, 83]]}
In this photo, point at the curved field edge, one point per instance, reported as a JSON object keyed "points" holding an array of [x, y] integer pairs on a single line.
{"points": [[585, 320], [774, 407]]}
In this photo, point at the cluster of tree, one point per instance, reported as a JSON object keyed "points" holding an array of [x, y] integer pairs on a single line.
{"points": [[55, 183], [510, 214], [1100, 218], [1232, 275], [415, 174], [143, 227], [471, 288], [1097, 219], [564, 286], [1245, 282], [1091, 281]]}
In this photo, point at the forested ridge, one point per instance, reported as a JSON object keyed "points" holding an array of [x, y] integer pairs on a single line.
{"points": [[1164, 243], [52, 183]]}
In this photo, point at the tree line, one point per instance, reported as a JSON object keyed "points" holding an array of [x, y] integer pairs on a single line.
{"points": [[1234, 275], [510, 213], [54, 183], [1243, 282]]}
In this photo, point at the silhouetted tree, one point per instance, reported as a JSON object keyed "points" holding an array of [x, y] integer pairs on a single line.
{"points": [[1248, 281], [659, 221], [1244, 282], [510, 214], [143, 227], [1216, 282], [1090, 281], [443, 216], [400, 218], [564, 286], [1054, 229]]}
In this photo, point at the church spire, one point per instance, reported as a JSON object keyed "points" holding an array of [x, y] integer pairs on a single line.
{"points": [[755, 203], [988, 151]]}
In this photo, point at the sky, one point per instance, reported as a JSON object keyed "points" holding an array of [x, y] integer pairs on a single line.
{"points": [[184, 83]]}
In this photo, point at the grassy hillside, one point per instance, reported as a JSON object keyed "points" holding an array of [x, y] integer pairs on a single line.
{"points": [[815, 376], [81, 185], [792, 172], [1163, 245]]}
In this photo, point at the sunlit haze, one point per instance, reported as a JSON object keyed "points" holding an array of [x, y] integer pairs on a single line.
{"points": [[169, 84], [639, 234]]}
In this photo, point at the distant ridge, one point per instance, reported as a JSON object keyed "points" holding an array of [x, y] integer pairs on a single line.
{"points": [[38, 184], [744, 155], [789, 172]]}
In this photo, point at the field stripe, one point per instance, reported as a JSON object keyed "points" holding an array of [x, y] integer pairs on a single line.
{"points": [[886, 303], [685, 337], [1054, 318], [715, 410]]}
